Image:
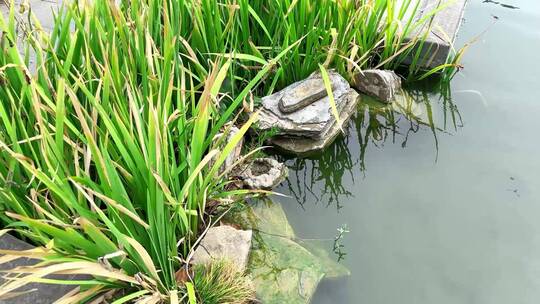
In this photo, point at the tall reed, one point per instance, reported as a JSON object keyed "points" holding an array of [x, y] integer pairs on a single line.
{"points": [[105, 151], [348, 35], [110, 145]]}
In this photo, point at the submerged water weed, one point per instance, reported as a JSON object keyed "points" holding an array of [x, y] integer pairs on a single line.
{"points": [[338, 245], [222, 282]]}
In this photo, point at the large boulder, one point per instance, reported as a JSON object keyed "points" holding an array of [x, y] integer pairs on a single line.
{"points": [[381, 84], [301, 114], [224, 242]]}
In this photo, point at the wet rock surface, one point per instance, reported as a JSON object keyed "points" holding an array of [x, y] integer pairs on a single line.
{"points": [[264, 216], [284, 268], [381, 84], [283, 271], [321, 250], [263, 173], [311, 126], [224, 242]]}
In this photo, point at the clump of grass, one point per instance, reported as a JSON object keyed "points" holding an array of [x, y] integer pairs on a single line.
{"points": [[222, 282], [105, 150], [109, 148], [348, 35]]}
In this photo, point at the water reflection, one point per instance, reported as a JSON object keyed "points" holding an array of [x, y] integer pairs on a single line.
{"points": [[319, 178], [322, 174]]}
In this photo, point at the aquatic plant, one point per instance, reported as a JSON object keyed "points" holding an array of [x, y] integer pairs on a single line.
{"points": [[109, 136], [105, 151], [348, 35], [338, 242]]}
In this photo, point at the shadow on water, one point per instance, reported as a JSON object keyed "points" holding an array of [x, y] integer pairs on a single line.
{"points": [[319, 178]]}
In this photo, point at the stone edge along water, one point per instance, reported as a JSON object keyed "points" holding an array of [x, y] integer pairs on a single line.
{"points": [[445, 27]]}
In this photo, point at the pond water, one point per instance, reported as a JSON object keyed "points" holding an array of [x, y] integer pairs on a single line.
{"points": [[441, 214]]}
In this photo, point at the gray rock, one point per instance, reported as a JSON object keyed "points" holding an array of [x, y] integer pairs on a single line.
{"points": [[237, 151], [303, 145], [263, 173], [441, 36], [382, 84], [224, 242], [314, 125], [305, 94], [38, 293]]}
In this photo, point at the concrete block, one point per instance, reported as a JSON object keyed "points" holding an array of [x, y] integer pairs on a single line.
{"points": [[443, 33]]}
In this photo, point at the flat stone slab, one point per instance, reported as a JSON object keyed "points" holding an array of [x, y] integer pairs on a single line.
{"points": [[303, 145], [305, 94], [443, 32], [311, 121], [42, 293]]}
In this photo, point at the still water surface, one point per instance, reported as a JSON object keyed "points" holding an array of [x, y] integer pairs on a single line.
{"points": [[447, 218]]}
